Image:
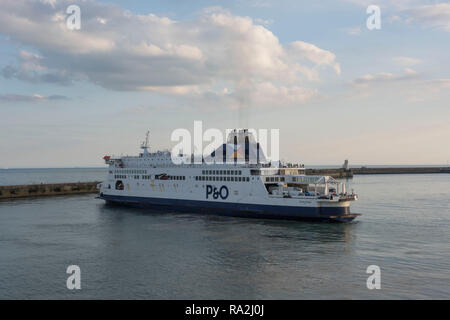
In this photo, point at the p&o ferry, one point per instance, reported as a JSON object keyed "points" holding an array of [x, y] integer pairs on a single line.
{"points": [[226, 182]]}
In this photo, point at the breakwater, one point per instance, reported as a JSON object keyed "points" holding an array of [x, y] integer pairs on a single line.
{"points": [[53, 189], [335, 173], [403, 170], [348, 173]]}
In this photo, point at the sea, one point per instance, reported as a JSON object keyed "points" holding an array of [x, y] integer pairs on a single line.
{"points": [[130, 253]]}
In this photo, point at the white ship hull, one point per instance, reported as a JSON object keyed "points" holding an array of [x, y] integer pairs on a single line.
{"points": [[236, 198]]}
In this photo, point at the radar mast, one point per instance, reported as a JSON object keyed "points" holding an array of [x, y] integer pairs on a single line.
{"points": [[145, 144]]}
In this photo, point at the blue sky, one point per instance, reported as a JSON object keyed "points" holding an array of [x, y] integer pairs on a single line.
{"points": [[335, 89]]}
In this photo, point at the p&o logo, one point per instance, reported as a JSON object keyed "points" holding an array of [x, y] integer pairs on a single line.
{"points": [[216, 192]]}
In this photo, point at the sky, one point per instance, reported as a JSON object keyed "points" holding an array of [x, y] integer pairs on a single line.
{"points": [[334, 88]]}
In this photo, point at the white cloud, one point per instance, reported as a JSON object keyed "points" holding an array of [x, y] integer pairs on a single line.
{"points": [[320, 57], [9, 97], [385, 77], [429, 13], [119, 50], [356, 31], [436, 16], [406, 61]]}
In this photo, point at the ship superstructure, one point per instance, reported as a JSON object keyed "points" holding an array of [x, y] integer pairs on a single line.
{"points": [[236, 180]]}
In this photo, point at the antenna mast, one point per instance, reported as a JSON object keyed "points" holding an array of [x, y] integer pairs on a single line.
{"points": [[144, 144]]}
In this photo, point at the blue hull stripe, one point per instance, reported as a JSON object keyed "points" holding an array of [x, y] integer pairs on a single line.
{"points": [[234, 209]]}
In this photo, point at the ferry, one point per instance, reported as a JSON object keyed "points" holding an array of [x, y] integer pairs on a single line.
{"points": [[225, 183]]}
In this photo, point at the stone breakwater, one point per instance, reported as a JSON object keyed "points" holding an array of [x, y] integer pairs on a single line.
{"points": [[53, 189], [348, 173]]}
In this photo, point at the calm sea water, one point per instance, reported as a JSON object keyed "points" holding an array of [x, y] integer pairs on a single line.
{"points": [[9, 177], [137, 254]]}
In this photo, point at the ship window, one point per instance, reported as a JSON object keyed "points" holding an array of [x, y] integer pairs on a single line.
{"points": [[119, 185]]}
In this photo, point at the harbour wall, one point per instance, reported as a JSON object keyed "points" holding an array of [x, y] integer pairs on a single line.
{"points": [[412, 170], [54, 189], [335, 173], [343, 173]]}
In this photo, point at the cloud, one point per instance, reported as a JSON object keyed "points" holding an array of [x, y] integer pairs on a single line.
{"points": [[385, 77], [30, 98], [436, 16], [410, 85], [429, 13], [406, 61], [310, 52], [356, 31], [199, 58]]}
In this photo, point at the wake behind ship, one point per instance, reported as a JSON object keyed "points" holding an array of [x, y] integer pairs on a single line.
{"points": [[226, 183]]}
